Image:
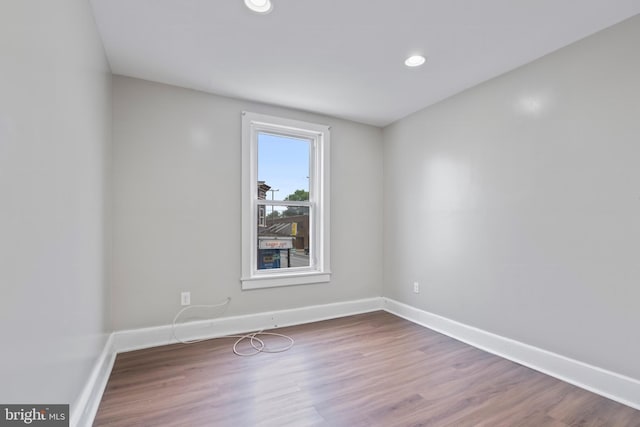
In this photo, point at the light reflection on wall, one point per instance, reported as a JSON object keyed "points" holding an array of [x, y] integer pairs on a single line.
{"points": [[199, 138], [448, 183], [447, 194], [533, 104]]}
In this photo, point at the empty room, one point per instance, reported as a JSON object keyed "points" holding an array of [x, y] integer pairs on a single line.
{"points": [[331, 213]]}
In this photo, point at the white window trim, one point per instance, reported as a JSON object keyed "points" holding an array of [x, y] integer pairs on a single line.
{"points": [[319, 271]]}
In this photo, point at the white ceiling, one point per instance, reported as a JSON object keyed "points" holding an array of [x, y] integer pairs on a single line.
{"points": [[342, 58]]}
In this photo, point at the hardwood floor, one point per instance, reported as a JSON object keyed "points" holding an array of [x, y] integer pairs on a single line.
{"points": [[373, 369]]}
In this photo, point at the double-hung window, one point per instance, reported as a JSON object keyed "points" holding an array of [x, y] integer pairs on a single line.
{"points": [[285, 202]]}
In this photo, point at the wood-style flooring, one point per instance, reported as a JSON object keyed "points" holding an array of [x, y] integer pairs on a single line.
{"points": [[372, 369]]}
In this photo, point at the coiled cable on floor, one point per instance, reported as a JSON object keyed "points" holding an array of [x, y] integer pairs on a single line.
{"points": [[261, 347], [256, 339]]}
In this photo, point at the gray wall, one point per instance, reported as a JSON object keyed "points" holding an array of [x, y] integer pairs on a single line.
{"points": [[55, 132], [516, 204], [177, 218]]}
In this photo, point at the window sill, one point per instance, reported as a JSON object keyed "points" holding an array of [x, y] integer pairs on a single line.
{"points": [[285, 280]]}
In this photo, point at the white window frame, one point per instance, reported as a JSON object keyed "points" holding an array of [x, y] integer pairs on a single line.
{"points": [[319, 270], [262, 219]]}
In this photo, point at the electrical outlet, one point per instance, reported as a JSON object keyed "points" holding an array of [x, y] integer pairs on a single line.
{"points": [[416, 287], [185, 298]]}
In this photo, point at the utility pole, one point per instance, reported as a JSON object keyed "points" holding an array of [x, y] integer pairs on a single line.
{"points": [[273, 207]]}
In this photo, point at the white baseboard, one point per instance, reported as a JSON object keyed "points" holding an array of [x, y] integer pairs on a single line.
{"points": [[609, 384], [84, 409], [136, 339]]}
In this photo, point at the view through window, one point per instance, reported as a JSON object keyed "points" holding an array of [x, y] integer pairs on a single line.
{"points": [[283, 197]]}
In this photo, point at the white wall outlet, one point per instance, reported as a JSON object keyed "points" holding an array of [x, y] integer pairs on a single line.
{"points": [[185, 298], [416, 287]]}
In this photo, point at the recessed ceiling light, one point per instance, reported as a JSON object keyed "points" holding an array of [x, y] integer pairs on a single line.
{"points": [[259, 6], [414, 61]]}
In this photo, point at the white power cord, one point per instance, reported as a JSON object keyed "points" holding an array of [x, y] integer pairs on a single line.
{"points": [[261, 347], [257, 343], [225, 303]]}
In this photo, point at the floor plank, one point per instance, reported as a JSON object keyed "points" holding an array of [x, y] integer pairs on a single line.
{"points": [[373, 369]]}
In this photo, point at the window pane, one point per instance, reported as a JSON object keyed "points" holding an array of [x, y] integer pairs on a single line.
{"points": [[284, 240], [283, 167]]}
